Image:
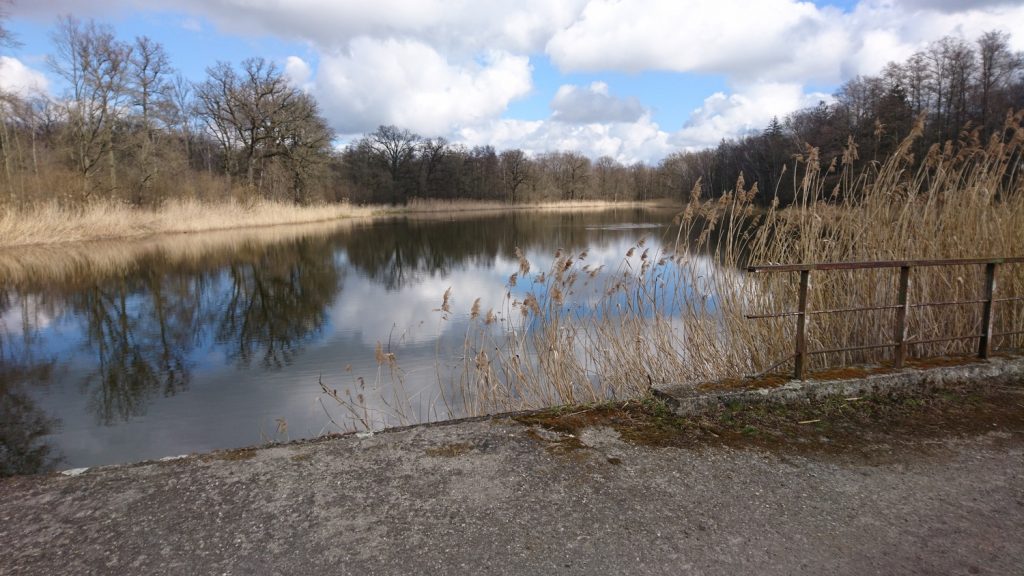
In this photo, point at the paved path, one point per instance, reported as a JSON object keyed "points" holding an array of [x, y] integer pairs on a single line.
{"points": [[497, 497]]}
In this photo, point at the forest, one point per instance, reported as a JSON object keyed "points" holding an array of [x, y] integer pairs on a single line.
{"points": [[129, 128]]}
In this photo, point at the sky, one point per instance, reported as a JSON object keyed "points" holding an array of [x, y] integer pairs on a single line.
{"points": [[632, 79]]}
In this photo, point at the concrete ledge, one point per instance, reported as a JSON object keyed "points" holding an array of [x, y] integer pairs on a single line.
{"points": [[1002, 371]]}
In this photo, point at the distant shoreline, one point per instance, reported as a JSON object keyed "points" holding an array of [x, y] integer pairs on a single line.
{"points": [[50, 225]]}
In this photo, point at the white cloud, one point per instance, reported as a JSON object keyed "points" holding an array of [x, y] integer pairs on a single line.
{"points": [[722, 115], [578, 105], [627, 142], [953, 5], [734, 37], [751, 108], [768, 40], [410, 84], [20, 79], [465, 26], [298, 72]]}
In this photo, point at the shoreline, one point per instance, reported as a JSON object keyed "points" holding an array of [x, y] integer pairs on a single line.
{"points": [[51, 226]]}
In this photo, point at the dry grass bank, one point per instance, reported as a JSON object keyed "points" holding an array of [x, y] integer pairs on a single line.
{"points": [[670, 315], [51, 224], [32, 267]]}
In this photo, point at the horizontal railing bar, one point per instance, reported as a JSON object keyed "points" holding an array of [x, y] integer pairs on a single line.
{"points": [[933, 341], [1017, 333], [947, 303], [859, 309], [778, 315], [882, 264], [1011, 299], [852, 349]]}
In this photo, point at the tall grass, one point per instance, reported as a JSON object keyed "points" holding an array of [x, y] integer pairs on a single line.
{"points": [[35, 266], [676, 314], [52, 223]]}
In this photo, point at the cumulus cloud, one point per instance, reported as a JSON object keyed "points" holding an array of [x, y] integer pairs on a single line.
{"points": [[626, 142], [768, 40], [721, 36], [20, 79], [751, 108], [953, 5], [579, 105], [298, 72], [467, 26], [410, 84]]}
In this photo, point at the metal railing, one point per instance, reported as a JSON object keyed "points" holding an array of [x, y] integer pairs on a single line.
{"points": [[901, 307]]}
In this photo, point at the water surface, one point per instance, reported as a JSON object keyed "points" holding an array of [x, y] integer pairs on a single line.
{"points": [[128, 351]]}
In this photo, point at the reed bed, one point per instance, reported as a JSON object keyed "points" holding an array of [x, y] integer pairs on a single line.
{"points": [[38, 266], [676, 312], [52, 223]]}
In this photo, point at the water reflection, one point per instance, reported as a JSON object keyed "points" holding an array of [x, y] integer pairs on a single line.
{"points": [[23, 425], [277, 302], [197, 342]]}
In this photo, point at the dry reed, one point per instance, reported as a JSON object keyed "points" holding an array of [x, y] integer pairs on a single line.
{"points": [[47, 264], [51, 223]]}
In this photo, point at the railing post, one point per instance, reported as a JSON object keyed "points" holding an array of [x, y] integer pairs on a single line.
{"points": [[985, 345], [901, 316], [801, 325]]}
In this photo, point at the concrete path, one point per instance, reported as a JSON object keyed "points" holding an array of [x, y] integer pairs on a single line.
{"points": [[500, 497]]}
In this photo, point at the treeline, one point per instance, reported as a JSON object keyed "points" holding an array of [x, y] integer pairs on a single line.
{"points": [[129, 127], [961, 90]]}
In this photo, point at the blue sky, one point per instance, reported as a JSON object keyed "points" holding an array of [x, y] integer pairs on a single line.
{"points": [[633, 79]]}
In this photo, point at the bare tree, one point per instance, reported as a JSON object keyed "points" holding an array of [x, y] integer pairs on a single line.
{"points": [[302, 141], [997, 66], [572, 173], [394, 147], [432, 154], [149, 69], [94, 65], [515, 171], [259, 118], [183, 111]]}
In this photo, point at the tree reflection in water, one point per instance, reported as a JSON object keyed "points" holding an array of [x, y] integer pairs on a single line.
{"points": [[131, 327], [145, 329], [23, 425], [278, 302], [405, 251]]}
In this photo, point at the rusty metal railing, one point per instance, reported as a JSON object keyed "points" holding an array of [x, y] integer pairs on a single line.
{"points": [[901, 307]]}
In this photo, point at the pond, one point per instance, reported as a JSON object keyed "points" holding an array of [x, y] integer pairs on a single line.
{"points": [[124, 351]]}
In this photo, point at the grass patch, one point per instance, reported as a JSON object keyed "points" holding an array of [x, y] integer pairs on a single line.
{"points": [[832, 426], [232, 455]]}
